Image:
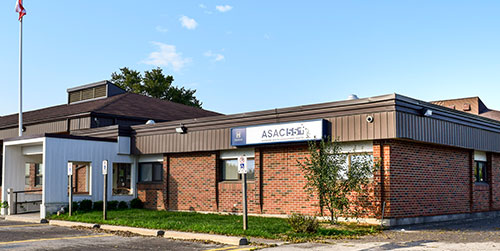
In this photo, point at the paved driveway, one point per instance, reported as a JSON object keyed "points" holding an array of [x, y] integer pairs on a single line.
{"points": [[459, 235], [27, 236]]}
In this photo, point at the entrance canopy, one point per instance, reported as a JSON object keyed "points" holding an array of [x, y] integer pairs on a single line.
{"points": [[37, 168]]}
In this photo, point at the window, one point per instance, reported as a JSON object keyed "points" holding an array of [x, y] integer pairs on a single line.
{"points": [[150, 172], [81, 177], [38, 175], [33, 176], [480, 172], [27, 169], [353, 159], [121, 179], [230, 169], [480, 166]]}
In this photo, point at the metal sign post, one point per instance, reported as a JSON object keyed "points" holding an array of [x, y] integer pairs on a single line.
{"points": [[70, 188], [242, 169], [105, 192]]}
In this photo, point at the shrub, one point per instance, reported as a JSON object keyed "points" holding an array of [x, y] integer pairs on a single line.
{"points": [[136, 203], [85, 205], [122, 205], [112, 205], [97, 205], [302, 223], [4, 204], [74, 206]]}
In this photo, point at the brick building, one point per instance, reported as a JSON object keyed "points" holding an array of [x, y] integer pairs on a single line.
{"points": [[439, 160]]}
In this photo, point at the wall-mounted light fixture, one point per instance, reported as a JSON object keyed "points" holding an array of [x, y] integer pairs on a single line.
{"points": [[426, 112], [181, 129], [369, 119]]}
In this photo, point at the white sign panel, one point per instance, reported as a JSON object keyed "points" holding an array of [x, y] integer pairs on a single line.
{"points": [[70, 168], [242, 164], [104, 167], [277, 133]]}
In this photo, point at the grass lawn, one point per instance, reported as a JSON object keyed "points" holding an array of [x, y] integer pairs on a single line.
{"points": [[273, 228]]}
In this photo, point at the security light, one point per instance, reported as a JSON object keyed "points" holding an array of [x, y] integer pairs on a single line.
{"points": [[427, 112], [181, 129]]}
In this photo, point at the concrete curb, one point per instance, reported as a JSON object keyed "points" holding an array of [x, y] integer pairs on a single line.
{"points": [[230, 240], [61, 223], [21, 218]]}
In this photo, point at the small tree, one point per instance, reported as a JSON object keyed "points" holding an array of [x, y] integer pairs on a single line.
{"points": [[335, 176]]}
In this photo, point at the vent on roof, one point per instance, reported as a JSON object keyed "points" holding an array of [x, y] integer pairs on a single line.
{"points": [[93, 91], [466, 107]]}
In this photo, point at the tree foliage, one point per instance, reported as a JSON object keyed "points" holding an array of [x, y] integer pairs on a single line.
{"points": [[154, 84], [334, 176]]}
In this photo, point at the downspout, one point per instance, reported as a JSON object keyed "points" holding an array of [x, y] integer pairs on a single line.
{"points": [[382, 183], [489, 174], [471, 184]]}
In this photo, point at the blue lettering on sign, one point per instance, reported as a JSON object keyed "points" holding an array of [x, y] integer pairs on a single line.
{"points": [[276, 133], [297, 131]]}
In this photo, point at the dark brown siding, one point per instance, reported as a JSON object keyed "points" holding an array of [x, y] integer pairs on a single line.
{"points": [[443, 132], [79, 123], [344, 128], [50, 127]]}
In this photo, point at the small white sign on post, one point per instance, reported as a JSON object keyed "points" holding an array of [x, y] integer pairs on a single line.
{"points": [[70, 168], [242, 164], [104, 167]]}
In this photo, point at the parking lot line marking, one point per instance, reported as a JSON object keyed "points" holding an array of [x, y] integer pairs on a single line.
{"points": [[224, 248], [242, 249], [58, 238], [25, 225]]}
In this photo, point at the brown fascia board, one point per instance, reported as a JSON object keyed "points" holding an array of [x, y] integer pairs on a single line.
{"points": [[349, 107], [59, 136], [414, 106], [47, 120], [106, 131], [108, 115]]}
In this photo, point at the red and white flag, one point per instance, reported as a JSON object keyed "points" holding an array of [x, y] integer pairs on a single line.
{"points": [[20, 9]]}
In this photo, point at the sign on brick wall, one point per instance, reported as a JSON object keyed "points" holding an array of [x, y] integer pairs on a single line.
{"points": [[279, 133]]}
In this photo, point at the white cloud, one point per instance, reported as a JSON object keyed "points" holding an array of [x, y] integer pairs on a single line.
{"points": [[215, 56], [223, 8], [188, 23], [161, 29], [167, 56], [202, 6]]}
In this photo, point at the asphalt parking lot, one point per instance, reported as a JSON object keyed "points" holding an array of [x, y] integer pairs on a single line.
{"points": [[29, 236], [463, 235]]}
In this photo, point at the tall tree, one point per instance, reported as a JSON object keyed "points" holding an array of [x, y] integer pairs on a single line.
{"points": [[154, 84]]}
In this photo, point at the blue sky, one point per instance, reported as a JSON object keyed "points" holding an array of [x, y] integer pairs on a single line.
{"points": [[253, 55]]}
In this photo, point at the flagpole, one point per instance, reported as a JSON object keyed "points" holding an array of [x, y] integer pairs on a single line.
{"points": [[21, 77]]}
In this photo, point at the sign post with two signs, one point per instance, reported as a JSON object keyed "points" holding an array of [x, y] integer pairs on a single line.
{"points": [[70, 188], [243, 170], [105, 192]]}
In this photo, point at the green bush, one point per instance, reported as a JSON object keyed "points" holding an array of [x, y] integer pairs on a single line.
{"points": [[136, 203], [112, 205], [98, 205], [302, 223], [74, 206], [4, 204], [122, 205], [85, 205]]}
